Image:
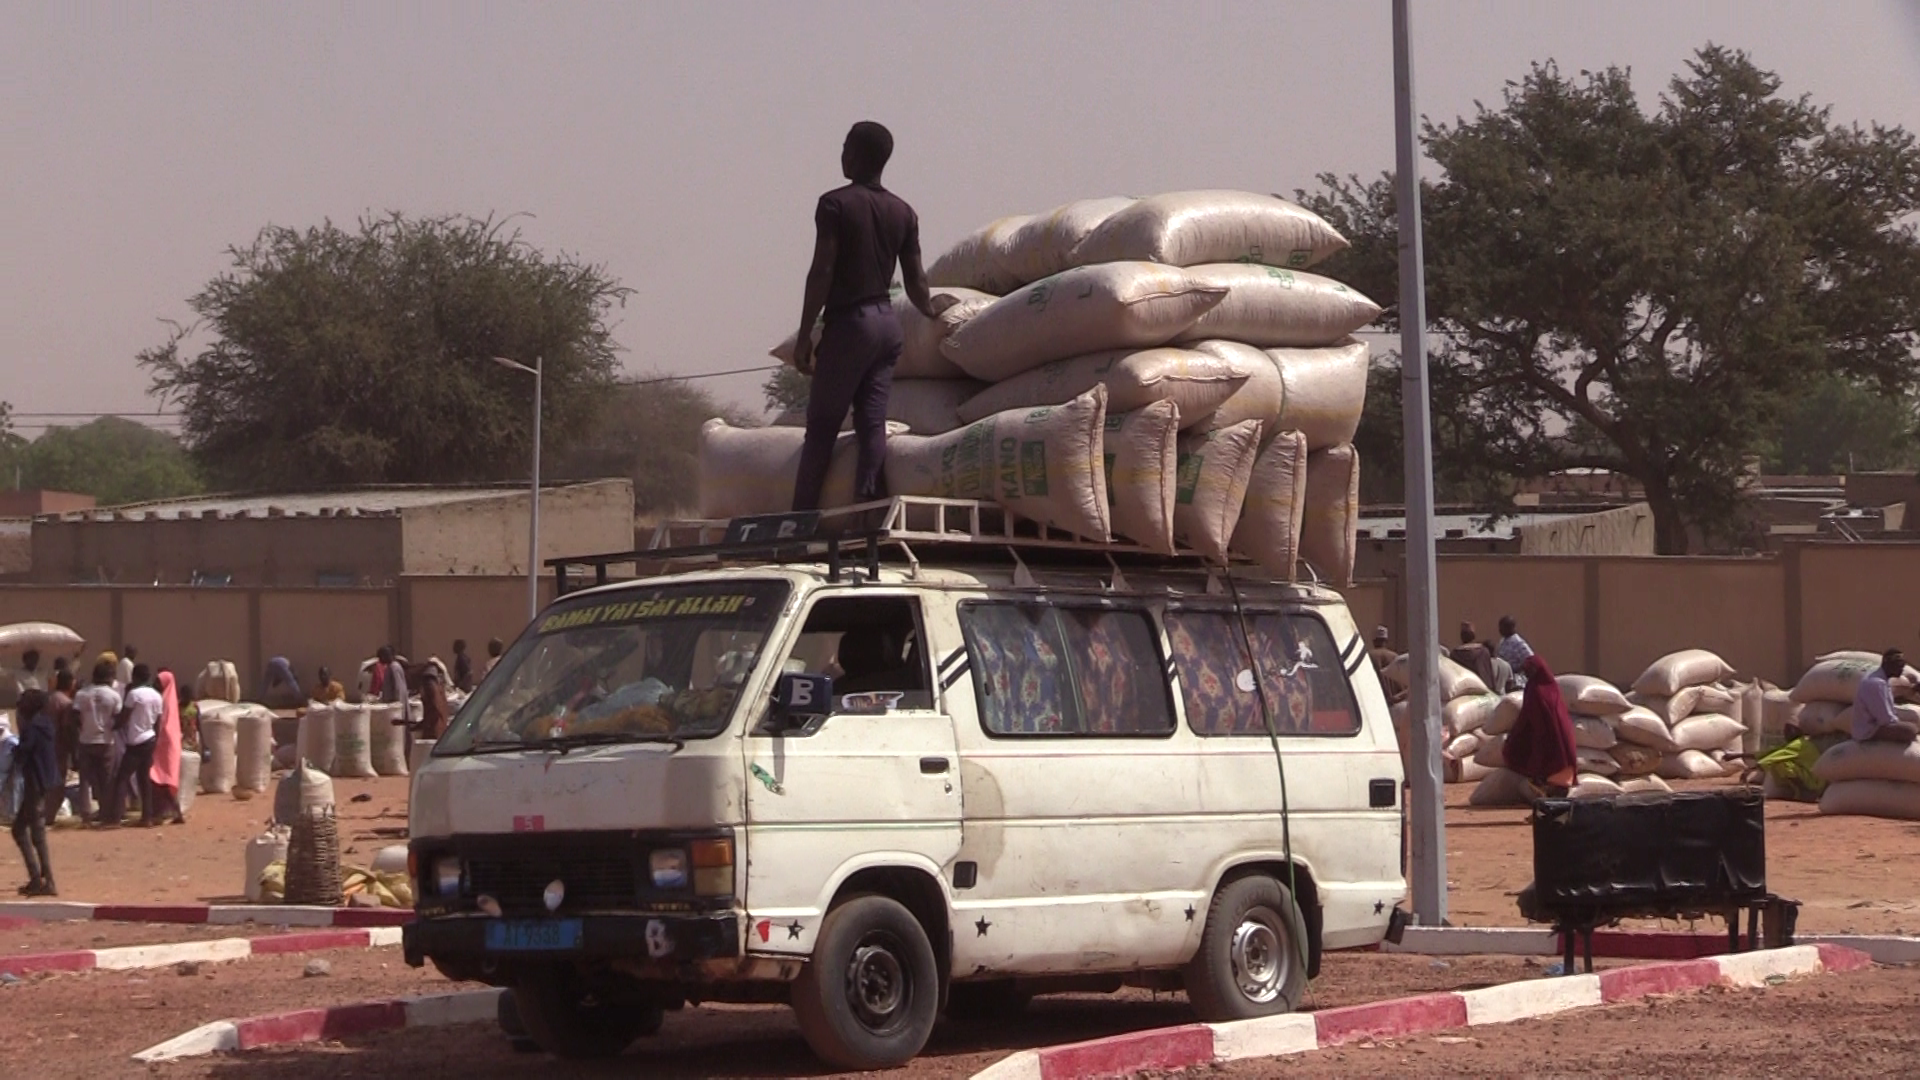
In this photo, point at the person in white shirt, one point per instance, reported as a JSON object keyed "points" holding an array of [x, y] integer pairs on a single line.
{"points": [[123, 671], [138, 719], [99, 707]]}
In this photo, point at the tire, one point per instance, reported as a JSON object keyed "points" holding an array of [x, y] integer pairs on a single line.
{"points": [[572, 1019], [869, 996], [1248, 964], [985, 1002]]}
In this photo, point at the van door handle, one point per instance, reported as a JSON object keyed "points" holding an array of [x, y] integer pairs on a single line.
{"points": [[933, 766]]}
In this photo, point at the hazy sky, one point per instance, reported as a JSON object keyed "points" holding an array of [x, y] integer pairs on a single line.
{"points": [[682, 145]]}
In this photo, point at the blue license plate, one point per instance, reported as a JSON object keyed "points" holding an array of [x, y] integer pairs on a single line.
{"points": [[533, 935]]}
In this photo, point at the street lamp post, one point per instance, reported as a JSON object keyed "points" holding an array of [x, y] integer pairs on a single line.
{"points": [[533, 507]]}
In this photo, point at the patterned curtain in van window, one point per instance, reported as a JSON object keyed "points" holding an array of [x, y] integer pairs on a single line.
{"points": [[1276, 644], [1209, 655], [1021, 672], [1116, 668]]}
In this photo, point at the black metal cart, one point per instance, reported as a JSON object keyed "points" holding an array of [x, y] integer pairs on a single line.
{"points": [[1680, 855]]}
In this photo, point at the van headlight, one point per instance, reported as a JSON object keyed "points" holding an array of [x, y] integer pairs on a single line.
{"points": [[669, 868], [446, 876], [713, 867]]}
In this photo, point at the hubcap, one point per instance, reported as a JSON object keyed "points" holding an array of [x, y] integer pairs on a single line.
{"points": [[1260, 959], [876, 984]]}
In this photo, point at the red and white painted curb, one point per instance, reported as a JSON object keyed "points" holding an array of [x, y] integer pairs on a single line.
{"points": [[337, 1022], [199, 914], [1625, 944], [1276, 1036], [133, 957]]}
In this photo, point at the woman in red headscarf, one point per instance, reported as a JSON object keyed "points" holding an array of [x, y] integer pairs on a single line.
{"points": [[1540, 747]]}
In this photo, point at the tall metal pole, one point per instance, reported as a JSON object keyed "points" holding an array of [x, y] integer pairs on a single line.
{"points": [[1427, 806], [533, 507]]}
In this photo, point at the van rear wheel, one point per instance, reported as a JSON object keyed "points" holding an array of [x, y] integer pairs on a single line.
{"points": [[869, 995], [1248, 964]]}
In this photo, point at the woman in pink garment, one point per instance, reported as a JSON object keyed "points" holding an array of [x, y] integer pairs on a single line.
{"points": [[166, 754]]}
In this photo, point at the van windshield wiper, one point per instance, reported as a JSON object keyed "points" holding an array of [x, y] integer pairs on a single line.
{"points": [[563, 743]]}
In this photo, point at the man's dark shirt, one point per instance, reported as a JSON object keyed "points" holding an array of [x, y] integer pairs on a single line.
{"points": [[1477, 659], [875, 228]]}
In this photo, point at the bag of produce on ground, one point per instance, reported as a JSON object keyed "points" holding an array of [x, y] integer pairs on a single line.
{"points": [[1706, 731], [1589, 696], [1873, 798], [1675, 671]]}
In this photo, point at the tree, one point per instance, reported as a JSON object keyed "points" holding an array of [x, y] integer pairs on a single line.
{"points": [[1838, 427], [648, 431], [786, 389], [112, 459], [354, 357], [1641, 291]]}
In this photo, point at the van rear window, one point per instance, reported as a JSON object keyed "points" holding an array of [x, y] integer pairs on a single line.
{"points": [[1299, 668], [1045, 669]]}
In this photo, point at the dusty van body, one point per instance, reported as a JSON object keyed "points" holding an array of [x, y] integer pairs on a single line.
{"points": [[1022, 780]]}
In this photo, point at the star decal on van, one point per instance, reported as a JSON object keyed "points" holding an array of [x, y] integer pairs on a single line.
{"points": [[982, 926], [793, 930]]}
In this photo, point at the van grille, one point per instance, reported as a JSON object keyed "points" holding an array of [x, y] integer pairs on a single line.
{"points": [[594, 880]]}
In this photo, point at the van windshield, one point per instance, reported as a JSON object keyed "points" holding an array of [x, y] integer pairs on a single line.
{"points": [[659, 664]]}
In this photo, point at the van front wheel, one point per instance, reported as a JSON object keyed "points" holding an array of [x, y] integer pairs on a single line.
{"points": [[868, 997], [1248, 964]]}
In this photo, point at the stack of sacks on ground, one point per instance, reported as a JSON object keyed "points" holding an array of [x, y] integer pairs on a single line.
{"points": [[1466, 712], [1876, 779], [1231, 387], [1608, 764], [1688, 708]]}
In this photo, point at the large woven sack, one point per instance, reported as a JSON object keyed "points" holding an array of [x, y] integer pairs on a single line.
{"points": [[1491, 753], [261, 852], [1270, 518], [1330, 515], [1873, 798], [1592, 786], [1589, 696], [189, 779], [317, 747], [1503, 787], [1470, 713], [1778, 711], [1505, 714], [1046, 464], [978, 260], [1753, 706], [1715, 699], [1271, 306], [219, 734], [1690, 765], [1849, 760], [1455, 681], [1193, 228], [1646, 785], [1593, 733], [920, 336], [1671, 709], [1013, 251], [219, 680], [1640, 726], [1462, 747], [1196, 381], [388, 740], [1118, 305], [1326, 391], [1635, 760], [1597, 762], [303, 790], [253, 747], [352, 745], [1706, 731], [1836, 676], [1142, 458], [1210, 487], [1671, 673], [752, 470], [1262, 397], [922, 406]]}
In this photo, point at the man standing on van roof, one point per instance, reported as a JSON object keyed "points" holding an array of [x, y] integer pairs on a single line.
{"points": [[861, 231]]}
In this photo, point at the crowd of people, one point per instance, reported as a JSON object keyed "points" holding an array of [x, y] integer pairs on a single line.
{"points": [[124, 732]]}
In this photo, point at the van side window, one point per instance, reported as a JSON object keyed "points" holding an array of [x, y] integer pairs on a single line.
{"points": [[870, 645], [1209, 654], [1042, 669]]}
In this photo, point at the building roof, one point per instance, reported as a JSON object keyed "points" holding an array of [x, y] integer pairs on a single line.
{"points": [[349, 502], [1461, 526]]}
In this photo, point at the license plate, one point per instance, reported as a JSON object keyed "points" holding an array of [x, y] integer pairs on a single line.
{"points": [[533, 935]]}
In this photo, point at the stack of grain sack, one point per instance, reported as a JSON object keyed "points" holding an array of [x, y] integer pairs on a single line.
{"points": [[1688, 707], [1877, 779], [1467, 720], [1162, 370]]}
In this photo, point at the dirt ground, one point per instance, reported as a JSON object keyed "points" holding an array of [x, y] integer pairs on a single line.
{"points": [[1857, 1024], [62, 936]]}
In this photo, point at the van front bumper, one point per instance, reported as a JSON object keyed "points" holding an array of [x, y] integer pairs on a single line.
{"points": [[660, 939]]}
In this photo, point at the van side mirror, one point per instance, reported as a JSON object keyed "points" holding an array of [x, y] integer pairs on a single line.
{"points": [[801, 703]]}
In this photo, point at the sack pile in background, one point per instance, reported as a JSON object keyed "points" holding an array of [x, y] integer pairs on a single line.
{"points": [[1875, 779], [1195, 305]]}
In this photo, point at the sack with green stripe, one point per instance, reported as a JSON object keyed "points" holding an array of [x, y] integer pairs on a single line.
{"points": [[1141, 455]]}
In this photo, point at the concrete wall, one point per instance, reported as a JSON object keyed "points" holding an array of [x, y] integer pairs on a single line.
{"points": [[489, 536], [438, 611], [1546, 596], [290, 551], [1651, 607], [311, 627], [183, 628], [90, 612], [1856, 596]]}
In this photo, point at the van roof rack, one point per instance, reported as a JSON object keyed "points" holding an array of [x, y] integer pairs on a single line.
{"points": [[893, 529]]}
